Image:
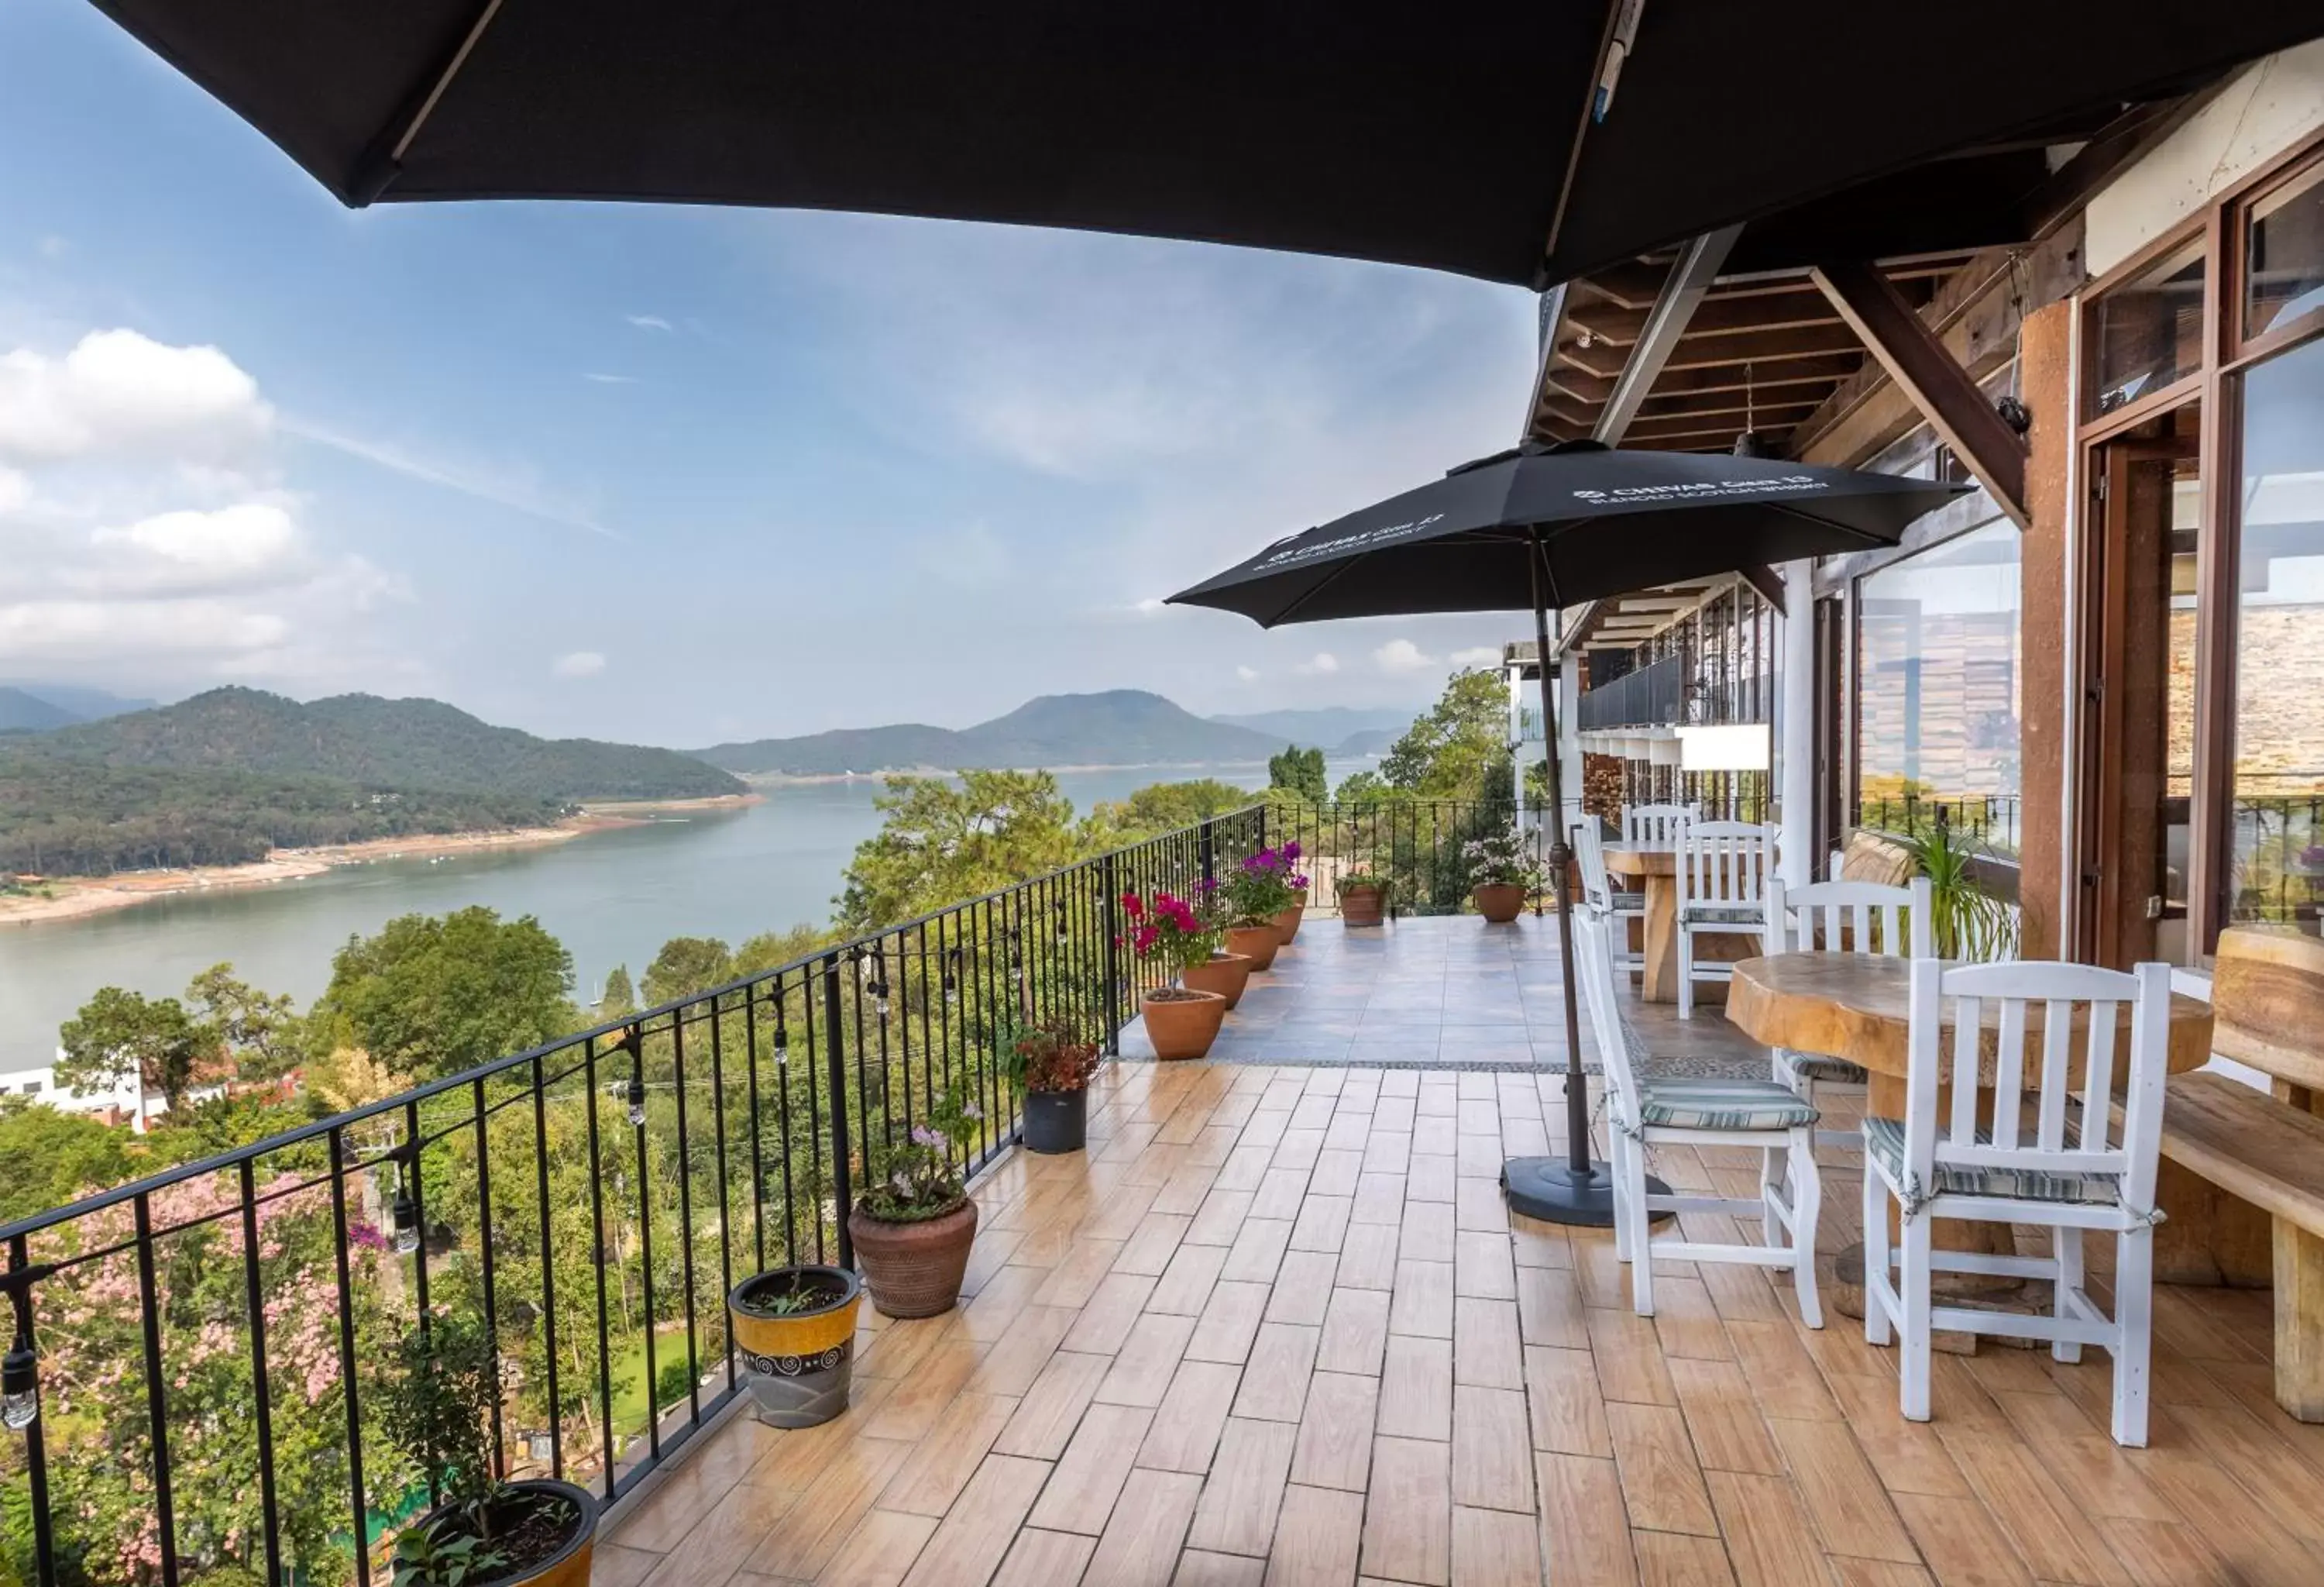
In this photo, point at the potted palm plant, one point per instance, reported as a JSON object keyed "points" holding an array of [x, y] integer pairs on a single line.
{"points": [[794, 1328], [1363, 894], [1499, 873], [1052, 1066], [436, 1401], [1180, 1021], [1967, 922], [914, 1223]]}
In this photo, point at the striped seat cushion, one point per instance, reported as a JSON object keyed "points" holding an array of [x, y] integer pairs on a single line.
{"points": [[1722, 1105], [1884, 1139], [1837, 1071], [1724, 915]]}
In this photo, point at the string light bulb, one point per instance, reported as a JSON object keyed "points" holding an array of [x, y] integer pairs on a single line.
{"points": [[637, 1100], [407, 1224], [20, 1388], [782, 1044]]}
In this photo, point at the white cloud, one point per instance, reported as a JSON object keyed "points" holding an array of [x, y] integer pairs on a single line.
{"points": [[1151, 606], [84, 632], [1323, 663], [647, 321], [1477, 655], [578, 664], [53, 246], [1247, 674], [247, 546], [1401, 656], [609, 380], [15, 490], [117, 390]]}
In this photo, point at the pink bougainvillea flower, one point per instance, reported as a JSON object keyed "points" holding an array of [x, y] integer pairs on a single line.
{"points": [[1132, 905]]}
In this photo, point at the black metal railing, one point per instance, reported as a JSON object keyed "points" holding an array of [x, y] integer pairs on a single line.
{"points": [[1990, 819], [202, 1342], [2278, 871], [1654, 696], [1417, 846]]}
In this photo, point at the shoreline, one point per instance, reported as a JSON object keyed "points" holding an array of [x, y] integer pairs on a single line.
{"points": [[75, 897]]}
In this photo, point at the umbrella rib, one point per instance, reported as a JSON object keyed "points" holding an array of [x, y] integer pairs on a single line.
{"points": [[1849, 529], [1312, 590]]}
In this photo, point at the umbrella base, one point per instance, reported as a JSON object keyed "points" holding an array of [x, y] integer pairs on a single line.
{"points": [[1550, 1189]]}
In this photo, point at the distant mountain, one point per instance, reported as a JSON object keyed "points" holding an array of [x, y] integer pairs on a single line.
{"points": [[1122, 727], [80, 704], [228, 775], [26, 713], [377, 744], [1327, 726], [1371, 741]]}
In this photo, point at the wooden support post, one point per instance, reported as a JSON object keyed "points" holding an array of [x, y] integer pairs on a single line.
{"points": [[1939, 388], [2299, 1335]]}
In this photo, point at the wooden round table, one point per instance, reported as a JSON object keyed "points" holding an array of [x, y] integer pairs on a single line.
{"points": [[1858, 1007], [1655, 868]]}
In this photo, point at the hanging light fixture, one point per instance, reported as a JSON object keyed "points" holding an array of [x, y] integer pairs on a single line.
{"points": [[952, 977], [1063, 936], [20, 1387], [782, 1041], [637, 1100], [406, 1216]]}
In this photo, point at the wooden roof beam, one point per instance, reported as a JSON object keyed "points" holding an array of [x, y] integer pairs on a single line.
{"points": [[1764, 347], [1682, 296], [1939, 387]]}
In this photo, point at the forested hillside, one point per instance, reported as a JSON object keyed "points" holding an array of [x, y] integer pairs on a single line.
{"points": [[223, 776]]}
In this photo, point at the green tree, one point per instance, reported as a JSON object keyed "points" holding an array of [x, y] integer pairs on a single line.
{"points": [[771, 950], [1459, 746], [1162, 807], [685, 966], [260, 1032], [119, 1034], [941, 843], [619, 997], [49, 1156], [1362, 788], [1299, 772], [434, 995]]}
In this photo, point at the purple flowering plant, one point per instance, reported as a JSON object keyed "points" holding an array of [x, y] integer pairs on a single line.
{"points": [[1264, 885], [921, 1176], [1179, 933]]}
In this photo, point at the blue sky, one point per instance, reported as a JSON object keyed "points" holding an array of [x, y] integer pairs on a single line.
{"points": [[670, 475]]}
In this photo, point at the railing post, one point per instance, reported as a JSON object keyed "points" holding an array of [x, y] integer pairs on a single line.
{"points": [[1111, 932], [842, 1194], [1209, 847]]}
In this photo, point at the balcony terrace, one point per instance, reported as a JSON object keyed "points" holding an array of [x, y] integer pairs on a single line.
{"points": [[1277, 1325]]}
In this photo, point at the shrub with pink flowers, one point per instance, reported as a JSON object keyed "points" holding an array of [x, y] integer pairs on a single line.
{"points": [[1264, 885], [1169, 930], [921, 1176]]}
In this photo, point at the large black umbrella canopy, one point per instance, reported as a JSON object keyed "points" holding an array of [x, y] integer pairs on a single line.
{"points": [[1443, 137], [1546, 526], [1559, 525]]}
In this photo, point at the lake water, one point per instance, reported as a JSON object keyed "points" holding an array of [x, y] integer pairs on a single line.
{"points": [[613, 898]]}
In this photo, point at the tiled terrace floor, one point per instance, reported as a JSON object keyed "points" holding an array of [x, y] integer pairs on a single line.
{"points": [[1445, 991], [1276, 1326]]}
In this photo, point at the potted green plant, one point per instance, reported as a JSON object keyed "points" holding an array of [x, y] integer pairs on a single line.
{"points": [[1180, 1021], [1256, 898], [1363, 894], [1499, 874], [914, 1222], [1967, 922], [435, 1406], [1052, 1067], [794, 1328]]}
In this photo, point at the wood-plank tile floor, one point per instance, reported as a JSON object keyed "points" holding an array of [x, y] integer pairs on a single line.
{"points": [[1276, 1327]]}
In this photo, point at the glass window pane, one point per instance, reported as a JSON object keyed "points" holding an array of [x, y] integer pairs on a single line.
{"points": [[2279, 766], [2149, 331], [2284, 254], [1937, 684]]}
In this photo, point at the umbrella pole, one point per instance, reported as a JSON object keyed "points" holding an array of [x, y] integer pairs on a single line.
{"points": [[1579, 1190]]}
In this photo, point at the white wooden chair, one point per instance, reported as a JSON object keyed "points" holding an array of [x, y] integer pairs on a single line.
{"points": [[1843, 916], [1598, 892], [1645, 1112], [1723, 868], [2063, 1172], [1657, 825]]}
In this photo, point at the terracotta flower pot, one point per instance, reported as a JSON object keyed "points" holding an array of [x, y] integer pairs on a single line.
{"points": [[568, 1566], [914, 1270], [1286, 923], [800, 1364], [1299, 896], [1499, 902], [1363, 904], [1182, 1024], [1226, 975], [1258, 944]]}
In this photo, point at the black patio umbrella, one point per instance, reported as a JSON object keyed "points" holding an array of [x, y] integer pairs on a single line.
{"points": [[1521, 141], [1552, 527]]}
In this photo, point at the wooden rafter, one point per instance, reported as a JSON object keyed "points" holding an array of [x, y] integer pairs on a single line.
{"points": [[1925, 370], [1681, 298]]}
